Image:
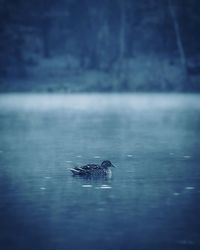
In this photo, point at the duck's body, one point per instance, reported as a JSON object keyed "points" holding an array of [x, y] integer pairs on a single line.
{"points": [[94, 169]]}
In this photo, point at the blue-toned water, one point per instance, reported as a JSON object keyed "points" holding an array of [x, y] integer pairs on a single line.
{"points": [[153, 199]]}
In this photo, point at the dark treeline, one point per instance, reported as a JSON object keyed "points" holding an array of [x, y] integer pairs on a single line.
{"points": [[100, 45]]}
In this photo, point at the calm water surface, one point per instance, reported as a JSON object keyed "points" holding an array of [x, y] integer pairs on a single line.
{"points": [[153, 198]]}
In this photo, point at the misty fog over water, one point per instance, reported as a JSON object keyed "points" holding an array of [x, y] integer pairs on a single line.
{"points": [[83, 81]]}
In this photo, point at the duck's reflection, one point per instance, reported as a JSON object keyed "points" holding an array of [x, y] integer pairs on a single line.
{"points": [[94, 181]]}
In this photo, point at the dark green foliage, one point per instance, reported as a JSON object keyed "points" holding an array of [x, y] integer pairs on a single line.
{"points": [[112, 45]]}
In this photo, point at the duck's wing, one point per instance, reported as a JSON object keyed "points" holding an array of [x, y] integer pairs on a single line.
{"points": [[78, 171], [90, 167], [85, 170]]}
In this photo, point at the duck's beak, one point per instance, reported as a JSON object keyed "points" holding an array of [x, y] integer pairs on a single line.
{"points": [[113, 166]]}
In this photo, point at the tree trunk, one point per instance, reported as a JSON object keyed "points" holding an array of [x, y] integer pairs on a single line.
{"points": [[122, 31], [178, 35], [122, 81]]}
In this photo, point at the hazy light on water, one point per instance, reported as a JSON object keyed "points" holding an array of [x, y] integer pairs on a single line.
{"points": [[92, 102]]}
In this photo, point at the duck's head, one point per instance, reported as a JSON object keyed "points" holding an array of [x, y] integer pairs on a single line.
{"points": [[107, 164]]}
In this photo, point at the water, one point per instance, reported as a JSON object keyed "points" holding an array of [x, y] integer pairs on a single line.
{"points": [[152, 201]]}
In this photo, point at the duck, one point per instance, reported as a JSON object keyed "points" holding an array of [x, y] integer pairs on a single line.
{"points": [[94, 169]]}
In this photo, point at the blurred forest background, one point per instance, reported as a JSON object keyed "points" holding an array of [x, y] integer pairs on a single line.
{"points": [[99, 45]]}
